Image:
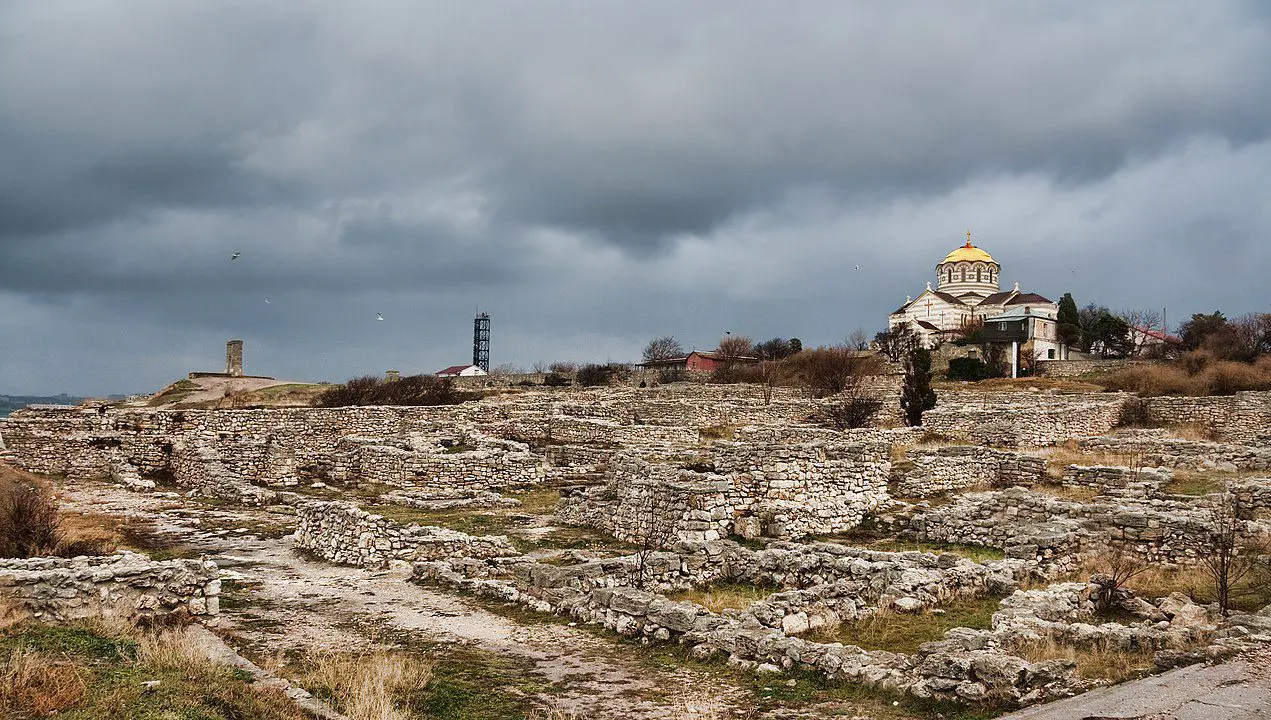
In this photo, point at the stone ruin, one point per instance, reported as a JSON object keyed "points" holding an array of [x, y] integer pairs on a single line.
{"points": [[716, 484]]}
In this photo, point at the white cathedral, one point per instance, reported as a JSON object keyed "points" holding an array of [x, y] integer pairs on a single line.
{"points": [[968, 294]]}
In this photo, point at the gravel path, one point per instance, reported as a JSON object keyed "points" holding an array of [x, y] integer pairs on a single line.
{"points": [[299, 604]]}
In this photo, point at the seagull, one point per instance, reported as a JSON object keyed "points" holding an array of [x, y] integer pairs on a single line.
{"points": [[235, 256], [378, 316], [266, 301], [858, 267]]}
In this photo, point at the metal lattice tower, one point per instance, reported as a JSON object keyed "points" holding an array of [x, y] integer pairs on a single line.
{"points": [[481, 341]]}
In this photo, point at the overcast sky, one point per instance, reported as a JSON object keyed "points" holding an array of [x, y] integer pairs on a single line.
{"points": [[594, 174]]}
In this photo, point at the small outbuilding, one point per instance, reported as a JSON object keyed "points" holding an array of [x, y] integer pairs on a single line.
{"points": [[461, 371]]}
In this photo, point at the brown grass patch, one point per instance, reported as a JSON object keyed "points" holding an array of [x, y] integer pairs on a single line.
{"points": [[1060, 457], [1074, 493], [905, 632], [371, 686], [1107, 664], [724, 596], [33, 685], [1208, 378]]}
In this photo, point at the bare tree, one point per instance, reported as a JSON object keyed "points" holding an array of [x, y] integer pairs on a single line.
{"points": [[1141, 321], [1231, 553], [733, 347], [1117, 567], [656, 519], [540, 367], [663, 348], [897, 342], [858, 340], [771, 373], [833, 370], [506, 369]]}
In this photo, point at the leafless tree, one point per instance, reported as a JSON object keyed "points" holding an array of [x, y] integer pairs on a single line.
{"points": [[833, 370], [897, 342], [563, 368], [1139, 322], [1231, 553], [540, 367], [736, 346], [858, 340], [506, 369], [1117, 566], [656, 524], [663, 348], [771, 373]]}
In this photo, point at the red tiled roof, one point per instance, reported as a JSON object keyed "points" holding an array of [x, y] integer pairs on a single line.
{"points": [[454, 369]]}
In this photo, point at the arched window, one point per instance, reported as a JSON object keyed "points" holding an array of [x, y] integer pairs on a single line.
{"points": [[950, 273], [978, 270], [962, 274]]}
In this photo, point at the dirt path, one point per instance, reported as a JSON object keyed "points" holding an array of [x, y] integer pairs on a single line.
{"points": [[293, 604]]}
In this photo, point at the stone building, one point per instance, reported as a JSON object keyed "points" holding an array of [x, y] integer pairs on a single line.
{"points": [[968, 295]]}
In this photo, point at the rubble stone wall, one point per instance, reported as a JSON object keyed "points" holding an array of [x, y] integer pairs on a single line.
{"points": [[1158, 449], [1022, 419], [127, 585], [932, 471], [1241, 418], [343, 533]]}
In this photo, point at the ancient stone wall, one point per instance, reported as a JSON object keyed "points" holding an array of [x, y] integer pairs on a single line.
{"points": [[127, 586], [343, 533], [1241, 418], [1006, 419], [1156, 448], [778, 491], [1072, 368], [932, 471]]}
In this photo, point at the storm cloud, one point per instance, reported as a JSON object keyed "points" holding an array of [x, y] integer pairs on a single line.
{"points": [[594, 174]]}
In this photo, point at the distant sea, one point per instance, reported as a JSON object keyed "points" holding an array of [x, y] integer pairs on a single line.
{"points": [[9, 403]]}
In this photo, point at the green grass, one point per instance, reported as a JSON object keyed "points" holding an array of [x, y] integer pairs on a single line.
{"points": [[904, 632], [721, 596], [99, 677], [174, 393], [975, 553], [1196, 483]]}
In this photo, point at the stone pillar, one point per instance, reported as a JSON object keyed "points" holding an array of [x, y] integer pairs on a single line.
{"points": [[234, 358]]}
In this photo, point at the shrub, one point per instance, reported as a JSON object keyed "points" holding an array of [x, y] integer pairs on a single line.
{"points": [[28, 519], [409, 390], [971, 369], [555, 379], [594, 375], [833, 370], [1210, 377], [671, 375], [855, 413]]}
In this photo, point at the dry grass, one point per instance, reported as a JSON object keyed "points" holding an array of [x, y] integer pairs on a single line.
{"points": [[724, 596], [33, 685], [1106, 664], [1070, 453], [1192, 431], [371, 686], [905, 632], [1209, 378], [1191, 482], [716, 432], [1028, 384], [701, 707], [1074, 493]]}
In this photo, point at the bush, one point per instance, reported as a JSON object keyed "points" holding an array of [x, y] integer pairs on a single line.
{"points": [[28, 520], [1208, 377], [671, 375], [555, 379], [855, 413], [832, 370], [409, 390], [971, 369], [594, 375]]}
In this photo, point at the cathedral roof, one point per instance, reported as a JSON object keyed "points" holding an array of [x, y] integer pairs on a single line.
{"points": [[968, 253]]}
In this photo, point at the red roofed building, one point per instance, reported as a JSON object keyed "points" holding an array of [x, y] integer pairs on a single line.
{"points": [[461, 371], [700, 361]]}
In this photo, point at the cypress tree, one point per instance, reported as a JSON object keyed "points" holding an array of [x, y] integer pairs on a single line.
{"points": [[916, 396], [1069, 322]]}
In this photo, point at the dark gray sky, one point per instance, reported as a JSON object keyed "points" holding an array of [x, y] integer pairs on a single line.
{"points": [[595, 174]]}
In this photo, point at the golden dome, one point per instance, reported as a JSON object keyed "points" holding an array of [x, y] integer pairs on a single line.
{"points": [[968, 253]]}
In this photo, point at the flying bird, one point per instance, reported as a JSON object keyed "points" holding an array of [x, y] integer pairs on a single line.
{"points": [[378, 316], [858, 267], [235, 256], [266, 301]]}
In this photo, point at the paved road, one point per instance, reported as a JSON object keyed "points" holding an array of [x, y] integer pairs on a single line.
{"points": [[1239, 690]]}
